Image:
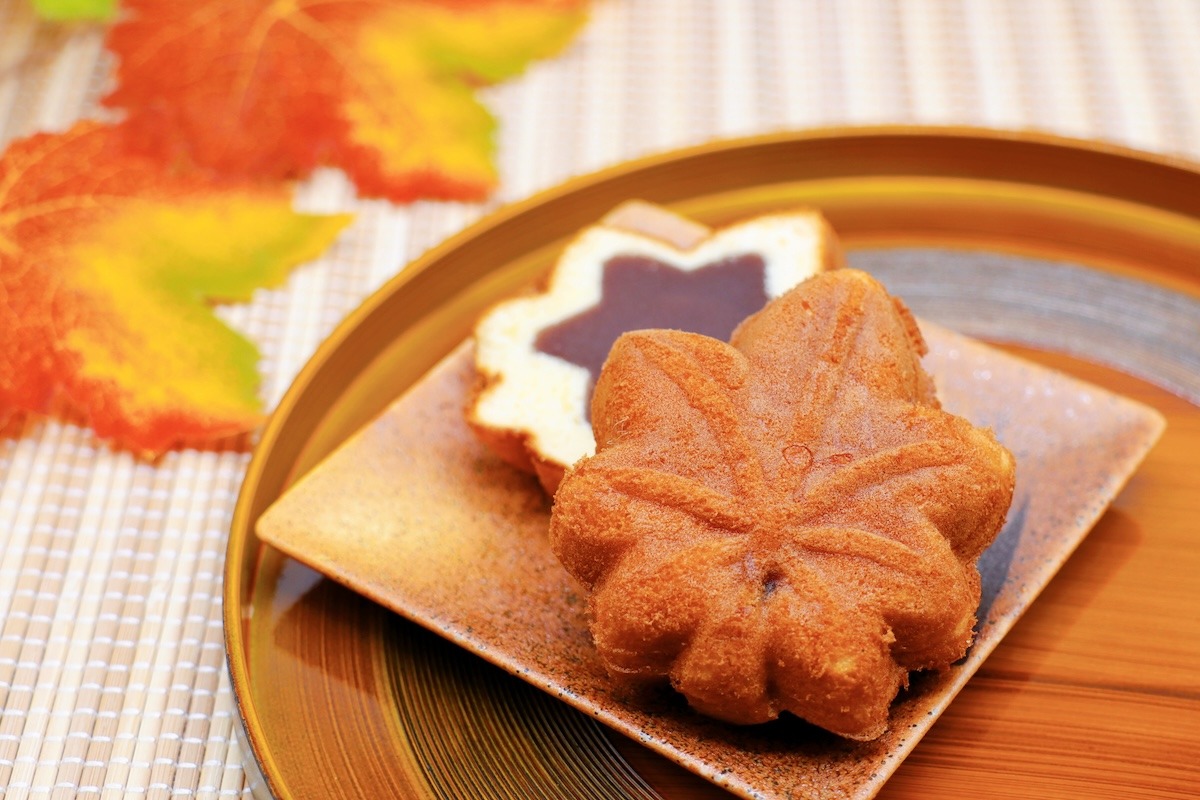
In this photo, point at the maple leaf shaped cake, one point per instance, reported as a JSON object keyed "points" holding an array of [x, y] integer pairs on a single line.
{"points": [[789, 522], [537, 356]]}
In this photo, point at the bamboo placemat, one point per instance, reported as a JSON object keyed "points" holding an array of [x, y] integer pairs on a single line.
{"points": [[112, 679]]}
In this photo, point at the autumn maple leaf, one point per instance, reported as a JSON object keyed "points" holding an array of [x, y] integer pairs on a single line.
{"points": [[380, 88], [789, 522], [106, 263]]}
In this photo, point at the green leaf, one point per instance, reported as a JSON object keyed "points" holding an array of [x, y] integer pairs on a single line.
{"points": [[66, 10]]}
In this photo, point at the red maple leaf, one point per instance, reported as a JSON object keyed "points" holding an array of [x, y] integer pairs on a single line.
{"points": [[379, 88]]}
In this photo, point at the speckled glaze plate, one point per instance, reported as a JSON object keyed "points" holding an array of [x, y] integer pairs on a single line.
{"points": [[1012, 238]]}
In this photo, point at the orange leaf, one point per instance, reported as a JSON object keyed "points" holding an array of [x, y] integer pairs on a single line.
{"points": [[379, 88], [106, 264]]}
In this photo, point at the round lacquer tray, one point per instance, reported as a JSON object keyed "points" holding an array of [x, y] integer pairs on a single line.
{"points": [[1081, 257]]}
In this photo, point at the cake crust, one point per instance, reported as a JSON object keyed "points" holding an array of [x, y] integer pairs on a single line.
{"points": [[789, 522]]}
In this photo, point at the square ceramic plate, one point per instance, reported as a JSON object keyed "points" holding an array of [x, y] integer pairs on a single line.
{"points": [[415, 514]]}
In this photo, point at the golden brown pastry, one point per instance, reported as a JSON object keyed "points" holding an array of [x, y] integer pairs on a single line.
{"points": [[788, 522], [642, 267]]}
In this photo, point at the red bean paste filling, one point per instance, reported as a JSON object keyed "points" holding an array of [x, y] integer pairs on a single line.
{"points": [[639, 292]]}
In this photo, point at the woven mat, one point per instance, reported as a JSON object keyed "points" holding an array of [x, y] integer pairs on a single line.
{"points": [[112, 679]]}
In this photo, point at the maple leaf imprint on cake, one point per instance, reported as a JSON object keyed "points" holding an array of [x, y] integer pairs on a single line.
{"points": [[788, 522]]}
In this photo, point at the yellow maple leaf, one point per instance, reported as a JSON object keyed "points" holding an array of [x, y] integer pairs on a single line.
{"points": [[107, 264]]}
